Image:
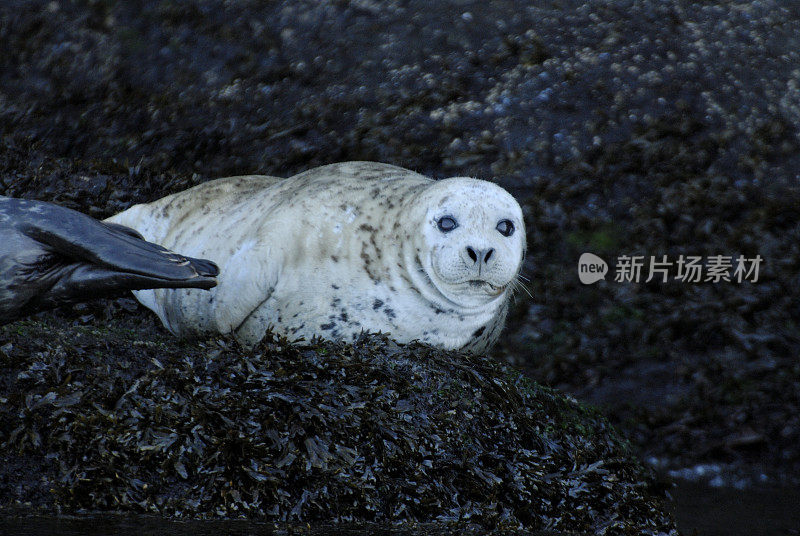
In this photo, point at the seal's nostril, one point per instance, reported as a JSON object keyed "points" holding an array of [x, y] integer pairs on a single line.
{"points": [[488, 255], [472, 255]]}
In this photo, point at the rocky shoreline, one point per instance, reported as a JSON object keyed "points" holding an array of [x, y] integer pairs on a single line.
{"points": [[122, 419]]}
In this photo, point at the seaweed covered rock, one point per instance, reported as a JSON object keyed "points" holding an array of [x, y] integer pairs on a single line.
{"points": [[624, 127], [322, 432]]}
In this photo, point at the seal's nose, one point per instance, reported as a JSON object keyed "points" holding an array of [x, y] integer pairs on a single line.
{"points": [[478, 257]]}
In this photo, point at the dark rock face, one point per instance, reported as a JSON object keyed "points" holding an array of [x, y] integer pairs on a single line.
{"points": [[373, 432], [600, 89]]}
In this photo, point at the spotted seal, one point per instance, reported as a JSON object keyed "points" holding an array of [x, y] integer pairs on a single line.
{"points": [[341, 249], [51, 255]]}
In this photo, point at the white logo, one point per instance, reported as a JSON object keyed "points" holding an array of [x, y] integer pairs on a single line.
{"points": [[686, 269], [591, 268]]}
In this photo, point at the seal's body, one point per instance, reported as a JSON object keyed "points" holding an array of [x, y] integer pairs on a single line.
{"points": [[51, 255], [342, 249]]}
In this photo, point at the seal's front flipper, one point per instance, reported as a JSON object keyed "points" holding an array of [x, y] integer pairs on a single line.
{"points": [[240, 293]]}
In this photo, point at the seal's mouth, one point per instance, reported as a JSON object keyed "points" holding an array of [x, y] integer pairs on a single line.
{"points": [[494, 290], [461, 292]]}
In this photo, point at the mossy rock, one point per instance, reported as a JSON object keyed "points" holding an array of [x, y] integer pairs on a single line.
{"points": [[106, 419]]}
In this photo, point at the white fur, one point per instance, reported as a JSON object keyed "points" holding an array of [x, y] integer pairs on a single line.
{"points": [[337, 250]]}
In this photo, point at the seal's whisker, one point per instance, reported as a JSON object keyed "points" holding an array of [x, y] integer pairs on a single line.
{"points": [[512, 287], [517, 284]]}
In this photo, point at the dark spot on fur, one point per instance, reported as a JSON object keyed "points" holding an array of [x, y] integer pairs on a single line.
{"points": [[478, 332], [377, 304], [335, 287], [334, 258], [327, 327], [367, 263], [390, 313]]}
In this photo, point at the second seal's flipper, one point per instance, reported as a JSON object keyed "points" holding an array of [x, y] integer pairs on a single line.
{"points": [[127, 230], [50, 255], [81, 238], [203, 267]]}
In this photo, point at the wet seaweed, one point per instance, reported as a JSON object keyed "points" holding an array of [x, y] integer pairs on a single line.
{"points": [[319, 432]]}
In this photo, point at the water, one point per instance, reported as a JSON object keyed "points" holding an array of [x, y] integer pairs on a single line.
{"points": [[707, 510], [733, 512], [119, 525]]}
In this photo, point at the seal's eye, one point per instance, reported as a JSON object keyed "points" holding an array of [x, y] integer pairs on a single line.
{"points": [[505, 227], [447, 224]]}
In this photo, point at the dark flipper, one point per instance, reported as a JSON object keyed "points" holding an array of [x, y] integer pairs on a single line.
{"points": [[127, 230], [51, 255], [201, 266], [82, 238]]}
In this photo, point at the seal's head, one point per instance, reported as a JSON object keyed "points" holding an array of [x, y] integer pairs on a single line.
{"points": [[472, 242]]}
